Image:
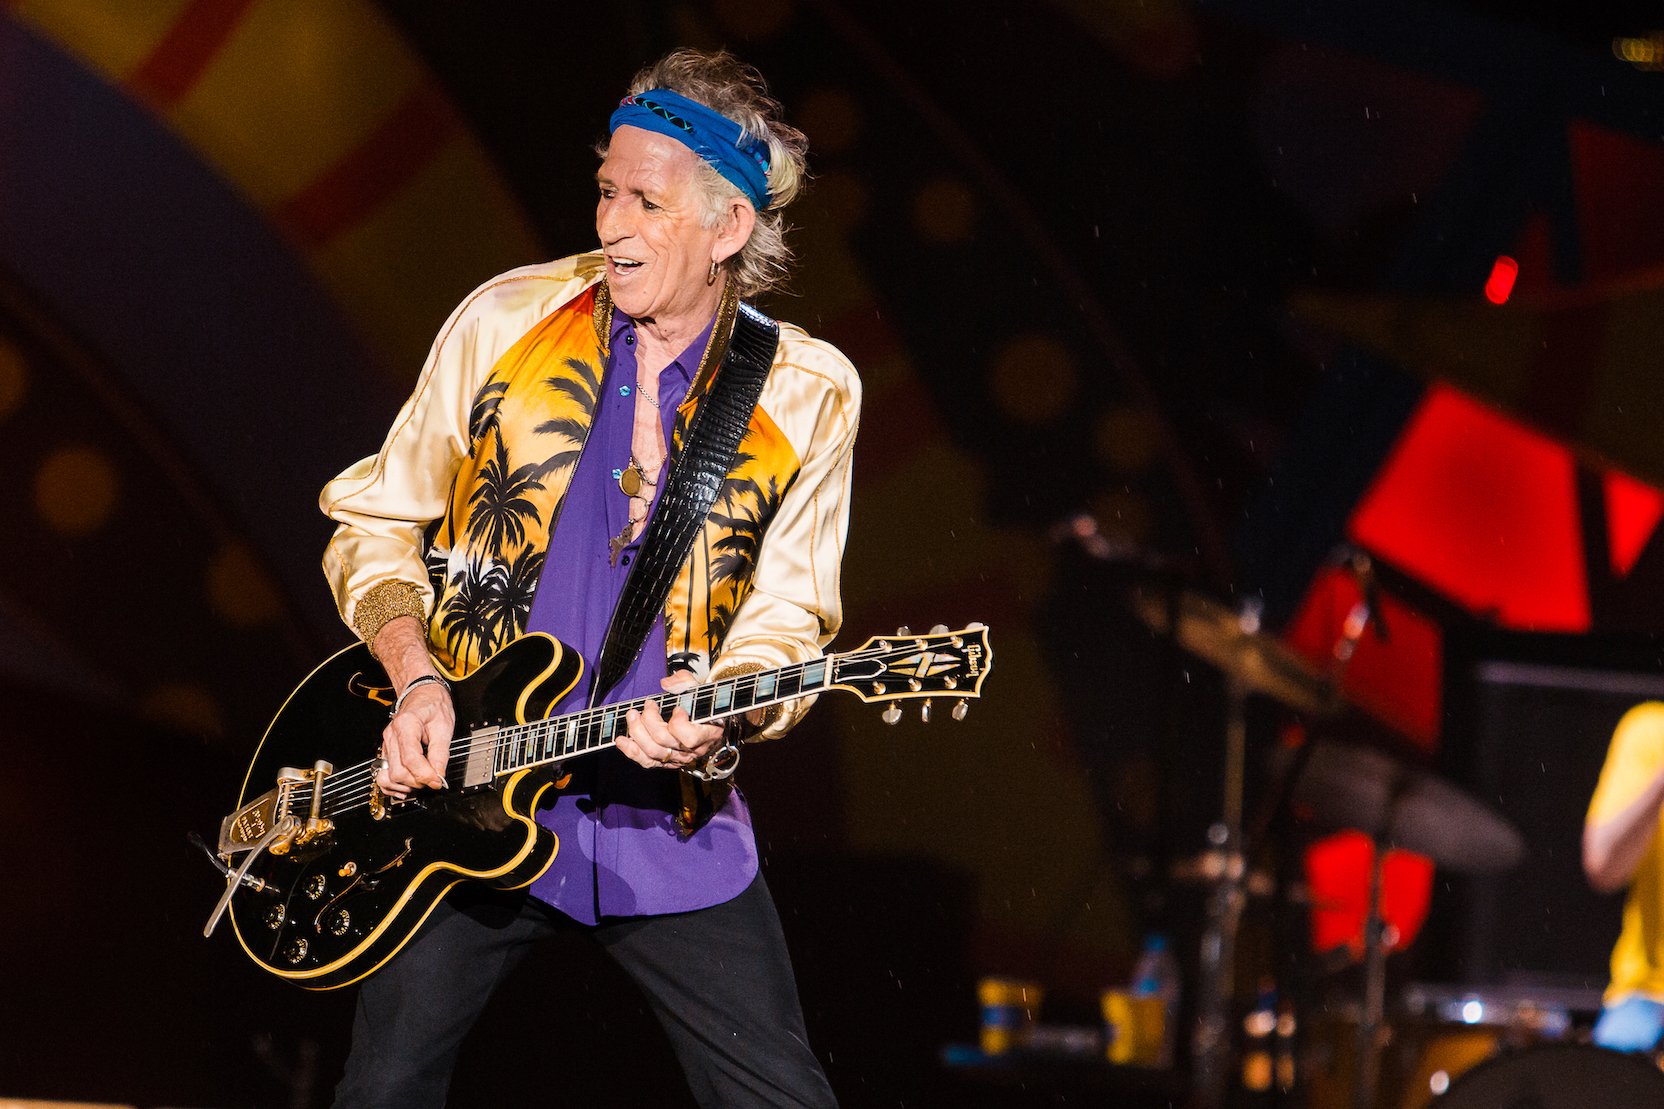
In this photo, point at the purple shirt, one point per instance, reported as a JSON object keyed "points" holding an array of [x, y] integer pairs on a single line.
{"points": [[621, 852]]}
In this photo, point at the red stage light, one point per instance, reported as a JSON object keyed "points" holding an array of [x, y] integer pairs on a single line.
{"points": [[1500, 284]]}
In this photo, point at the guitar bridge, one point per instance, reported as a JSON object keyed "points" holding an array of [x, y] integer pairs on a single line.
{"points": [[253, 824]]}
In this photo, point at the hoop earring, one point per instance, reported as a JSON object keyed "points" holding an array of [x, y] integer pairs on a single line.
{"points": [[710, 278]]}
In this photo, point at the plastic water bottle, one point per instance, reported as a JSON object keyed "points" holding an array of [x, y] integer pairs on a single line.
{"points": [[1156, 974]]}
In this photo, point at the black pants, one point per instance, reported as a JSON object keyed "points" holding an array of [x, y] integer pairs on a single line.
{"points": [[718, 979]]}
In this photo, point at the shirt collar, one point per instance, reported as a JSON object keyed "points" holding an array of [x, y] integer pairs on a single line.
{"points": [[686, 364]]}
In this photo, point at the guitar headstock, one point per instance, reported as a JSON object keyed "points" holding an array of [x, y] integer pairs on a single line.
{"points": [[905, 666]]}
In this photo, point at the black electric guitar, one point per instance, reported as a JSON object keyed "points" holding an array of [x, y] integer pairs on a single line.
{"points": [[327, 877]]}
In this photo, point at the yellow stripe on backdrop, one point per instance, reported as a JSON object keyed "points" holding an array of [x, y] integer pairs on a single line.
{"points": [[402, 265], [112, 38], [297, 88], [280, 98]]}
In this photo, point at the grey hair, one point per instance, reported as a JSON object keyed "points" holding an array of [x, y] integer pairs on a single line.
{"points": [[723, 83]]}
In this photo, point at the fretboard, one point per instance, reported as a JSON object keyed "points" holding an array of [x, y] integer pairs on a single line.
{"points": [[578, 733]]}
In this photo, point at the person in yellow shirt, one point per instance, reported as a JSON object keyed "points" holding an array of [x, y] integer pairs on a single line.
{"points": [[1621, 848]]}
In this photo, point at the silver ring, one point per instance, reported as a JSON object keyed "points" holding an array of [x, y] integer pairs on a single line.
{"points": [[377, 765]]}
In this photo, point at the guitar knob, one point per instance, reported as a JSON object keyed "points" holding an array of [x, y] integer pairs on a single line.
{"points": [[960, 709], [924, 710], [939, 629], [891, 715]]}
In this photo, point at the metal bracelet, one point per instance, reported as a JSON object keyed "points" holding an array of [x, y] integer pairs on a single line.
{"points": [[425, 679]]}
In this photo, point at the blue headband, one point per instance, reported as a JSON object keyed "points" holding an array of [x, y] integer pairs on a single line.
{"points": [[738, 157]]}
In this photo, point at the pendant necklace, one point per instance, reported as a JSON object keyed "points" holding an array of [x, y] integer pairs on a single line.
{"points": [[634, 483]]}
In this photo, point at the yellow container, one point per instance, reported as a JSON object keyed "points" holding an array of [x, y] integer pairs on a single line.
{"points": [[1135, 1028], [1010, 1006]]}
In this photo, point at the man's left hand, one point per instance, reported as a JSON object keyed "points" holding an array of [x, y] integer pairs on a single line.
{"points": [[676, 743]]}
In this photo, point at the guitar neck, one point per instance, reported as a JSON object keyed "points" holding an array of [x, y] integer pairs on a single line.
{"points": [[540, 742]]}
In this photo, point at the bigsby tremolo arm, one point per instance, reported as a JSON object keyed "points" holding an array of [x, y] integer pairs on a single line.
{"points": [[270, 823], [235, 879]]}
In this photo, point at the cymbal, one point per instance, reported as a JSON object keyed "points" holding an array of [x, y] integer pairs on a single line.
{"points": [[1233, 644], [1350, 786]]}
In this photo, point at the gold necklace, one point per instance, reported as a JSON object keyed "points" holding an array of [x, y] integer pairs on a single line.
{"points": [[633, 478]]}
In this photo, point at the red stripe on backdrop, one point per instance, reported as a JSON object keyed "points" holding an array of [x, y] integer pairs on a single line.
{"points": [[388, 159], [184, 54]]}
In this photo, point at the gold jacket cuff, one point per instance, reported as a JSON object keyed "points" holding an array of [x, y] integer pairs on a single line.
{"points": [[387, 601]]}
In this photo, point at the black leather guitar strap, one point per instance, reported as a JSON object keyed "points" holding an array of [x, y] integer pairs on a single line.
{"points": [[695, 480]]}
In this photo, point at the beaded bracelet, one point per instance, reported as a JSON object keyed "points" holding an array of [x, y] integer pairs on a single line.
{"points": [[424, 679]]}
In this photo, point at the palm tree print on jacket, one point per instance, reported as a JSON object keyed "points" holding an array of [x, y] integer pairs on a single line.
{"points": [[527, 426], [581, 385], [717, 579]]}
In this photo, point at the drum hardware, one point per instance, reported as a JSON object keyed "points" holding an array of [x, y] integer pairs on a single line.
{"points": [[1558, 1076], [1398, 805], [1450, 1030], [1345, 786], [1253, 663], [1217, 865]]}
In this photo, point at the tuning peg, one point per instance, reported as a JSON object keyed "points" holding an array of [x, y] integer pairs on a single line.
{"points": [[891, 715], [939, 629], [904, 630], [975, 626], [924, 710], [960, 709]]}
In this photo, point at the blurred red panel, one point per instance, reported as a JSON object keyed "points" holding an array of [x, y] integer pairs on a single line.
{"points": [[1397, 680], [1483, 510], [1338, 872], [1616, 177], [1633, 509]]}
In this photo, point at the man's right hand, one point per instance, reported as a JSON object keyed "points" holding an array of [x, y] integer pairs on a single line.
{"points": [[416, 742]]}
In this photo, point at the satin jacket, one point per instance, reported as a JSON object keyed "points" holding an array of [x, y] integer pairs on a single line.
{"points": [[450, 521]]}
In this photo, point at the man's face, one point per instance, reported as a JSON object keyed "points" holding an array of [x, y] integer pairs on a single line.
{"points": [[648, 218]]}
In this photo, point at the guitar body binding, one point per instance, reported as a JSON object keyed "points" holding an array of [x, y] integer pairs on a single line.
{"points": [[335, 906]]}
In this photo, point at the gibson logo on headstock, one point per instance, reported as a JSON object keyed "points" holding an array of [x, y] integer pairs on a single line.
{"points": [[973, 659]]}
